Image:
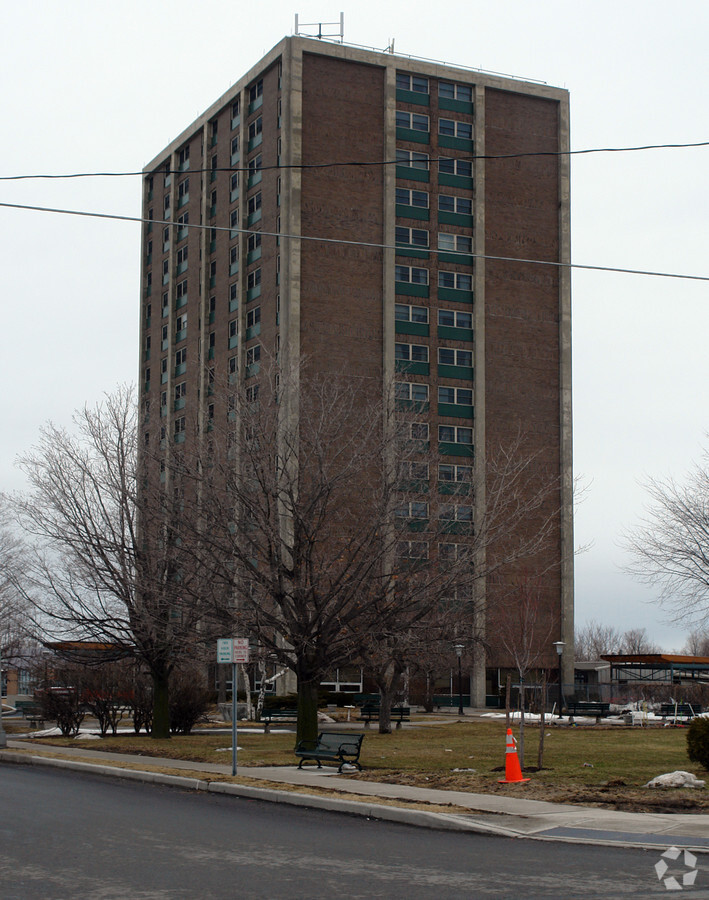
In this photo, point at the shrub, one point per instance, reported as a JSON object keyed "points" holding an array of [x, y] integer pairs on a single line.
{"points": [[61, 705], [189, 702], [698, 741]]}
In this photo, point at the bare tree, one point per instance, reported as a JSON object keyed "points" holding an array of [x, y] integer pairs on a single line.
{"points": [[670, 545], [107, 562], [635, 641], [697, 643], [593, 640]]}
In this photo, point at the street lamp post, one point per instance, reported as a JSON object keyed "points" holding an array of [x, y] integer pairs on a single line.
{"points": [[3, 736], [559, 646], [459, 653]]}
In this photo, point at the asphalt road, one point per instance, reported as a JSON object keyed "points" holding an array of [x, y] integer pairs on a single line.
{"points": [[65, 835]]}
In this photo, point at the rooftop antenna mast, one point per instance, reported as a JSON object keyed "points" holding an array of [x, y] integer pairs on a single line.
{"points": [[329, 36]]}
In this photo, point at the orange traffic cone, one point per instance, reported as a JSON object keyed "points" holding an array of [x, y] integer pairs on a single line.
{"points": [[513, 770]]}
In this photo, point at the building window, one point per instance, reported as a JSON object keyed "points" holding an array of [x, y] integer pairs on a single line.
{"points": [[454, 552], [405, 390], [416, 83], [233, 365], [180, 390], [458, 396], [234, 183], [212, 340], [461, 205], [255, 128], [234, 255], [235, 144], [181, 356], [461, 167], [454, 128], [447, 472], [459, 281], [166, 203], [254, 203], [404, 313], [179, 425], [233, 293], [214, 128], [412, 121], [453, 512], [212, 305], [406, 197], [452, 434], [253, 355], [453, 319], [455, 243], [253, 279], [411, 352], [412, 549], [410, 470], [253, 242], [236, 108], [233, 328], [419, 431], [183, 189], [255, 165], [181, 290], [411, 237], [462, 92], [252, 393], [411, 275], [182, 256], [414, 509], [234, 221], [256, 90], [448, 356], [181, 324], [412, 159], [253, 317], [183, 157]]}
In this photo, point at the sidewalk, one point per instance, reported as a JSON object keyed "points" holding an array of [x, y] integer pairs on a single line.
{"points": [[512, 816]]}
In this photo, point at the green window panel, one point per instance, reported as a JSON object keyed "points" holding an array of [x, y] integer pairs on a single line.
{"points": [[455, 372], [234, 268], [253, 180], [211, 317], [458, 258], [455, 409], [180, 302], [212, 176], [212, 246], [163, 477], [212, 210], [163, 412], [212, 281], [235, 158], [455, 334], [456, 527], [210, 353], [253, 293], [166, 311], [163, 444], [147, 321], [183, 201], [461, 181], [180, 438], [412, 212], [412, 174], [147, 354], [234, 196], [254, 217], [163, 378], [253, 331], [414, 487], [181, 234], [233, 305], [411, 328], [181, 335], [413, 97], [411, 290], [213, 141], [255, 142], [233, 377], [413, 368], [148, 290], [149, 259], [447, 449], [456, 143], [150, 195], [413, 405], [257, 104], [149, 228], [235, 121], [451, 218], [181, 369], [165, 279], [417, 525], [457, 105], [415, 137], [179, 404], [455, 295], [457, 488], [252, 370], [253, 255], [407, 251], [233, 341]]}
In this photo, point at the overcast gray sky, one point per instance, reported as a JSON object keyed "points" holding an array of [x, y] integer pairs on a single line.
{"points": [[103, 87]]}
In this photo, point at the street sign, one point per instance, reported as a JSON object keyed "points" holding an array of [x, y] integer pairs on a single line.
{"points": [[233, 650]]}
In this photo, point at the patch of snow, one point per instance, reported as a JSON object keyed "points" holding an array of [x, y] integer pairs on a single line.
{"points": [[676, 779]]}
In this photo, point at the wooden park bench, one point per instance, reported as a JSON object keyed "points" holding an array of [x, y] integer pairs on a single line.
{"points": [[687, 710], [30, 711], [370, 712], [277, 714], [587, 708], [332, 746]]}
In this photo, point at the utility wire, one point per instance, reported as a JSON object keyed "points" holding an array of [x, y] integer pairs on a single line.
{"points": [[345, 164], [371, 244]]}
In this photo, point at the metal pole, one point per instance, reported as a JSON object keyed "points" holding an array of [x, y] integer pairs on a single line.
{"points": [[3, 736], [233, 718], [460, 689], [559, 647]]}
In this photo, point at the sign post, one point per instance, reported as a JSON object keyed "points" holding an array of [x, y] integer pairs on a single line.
{"points": [[233, 650]]}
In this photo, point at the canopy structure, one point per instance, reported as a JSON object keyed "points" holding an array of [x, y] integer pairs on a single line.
{"points": [[658, 667]]}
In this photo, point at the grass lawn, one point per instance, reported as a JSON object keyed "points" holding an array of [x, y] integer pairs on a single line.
{"points": [[595, 764]]}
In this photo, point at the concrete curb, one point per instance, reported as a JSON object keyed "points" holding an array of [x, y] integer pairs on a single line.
{"points": [[416, 817]]}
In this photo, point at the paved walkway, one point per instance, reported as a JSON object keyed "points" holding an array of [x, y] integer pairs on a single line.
{"points": [[511, 815]]}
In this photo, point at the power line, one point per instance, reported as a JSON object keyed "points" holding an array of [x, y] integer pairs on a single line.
{"points": [[370, 244], [352, 163]]}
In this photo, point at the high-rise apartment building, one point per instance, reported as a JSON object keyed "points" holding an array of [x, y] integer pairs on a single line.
{"points": [[461, 179]]}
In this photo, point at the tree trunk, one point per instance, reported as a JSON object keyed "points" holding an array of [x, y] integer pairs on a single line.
{"points": [[308, 708], [521, 723], [161, 706], [247, 690], [508, 698], [388, 684]]}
